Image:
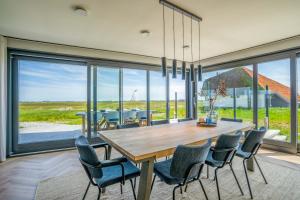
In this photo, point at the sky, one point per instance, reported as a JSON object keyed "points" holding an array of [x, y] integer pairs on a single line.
{"points": [[41, 81]]}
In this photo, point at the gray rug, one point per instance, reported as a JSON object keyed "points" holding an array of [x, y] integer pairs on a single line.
{"points": [[284, 184]]}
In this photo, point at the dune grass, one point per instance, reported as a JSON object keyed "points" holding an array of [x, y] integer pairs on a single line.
{"points": [[65, 112]]}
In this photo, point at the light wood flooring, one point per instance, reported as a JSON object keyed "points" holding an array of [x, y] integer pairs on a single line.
{"points": [[19, 176]]}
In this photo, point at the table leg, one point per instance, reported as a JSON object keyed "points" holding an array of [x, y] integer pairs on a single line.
{"points": [[145, 180], [108, 152], [250, 165]]}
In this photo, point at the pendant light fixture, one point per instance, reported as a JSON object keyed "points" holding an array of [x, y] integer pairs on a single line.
{"points": [[163, 59], [192, 69], [174, 66], [194, 17], [183, 69], [199, 65]]}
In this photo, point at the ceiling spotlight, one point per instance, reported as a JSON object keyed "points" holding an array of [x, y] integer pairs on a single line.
{"points": [[145, 33], [80, 11]]}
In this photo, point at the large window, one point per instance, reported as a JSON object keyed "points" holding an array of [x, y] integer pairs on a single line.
{"points": [[157, 95], [107, 113], [238, 100], [177, 97], [298, 96], [50, 94], [134, 96], [274, 96]]}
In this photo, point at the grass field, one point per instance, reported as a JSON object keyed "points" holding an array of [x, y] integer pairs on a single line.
{"points": [[65, 112]]}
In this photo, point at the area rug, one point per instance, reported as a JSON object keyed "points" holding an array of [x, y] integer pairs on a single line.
{"points": [[283, 184]]}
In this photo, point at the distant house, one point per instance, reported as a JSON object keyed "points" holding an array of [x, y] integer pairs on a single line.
{"points": [[240, 79]]}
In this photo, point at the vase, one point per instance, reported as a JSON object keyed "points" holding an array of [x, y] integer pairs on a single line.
{"points": [[212, 117]]}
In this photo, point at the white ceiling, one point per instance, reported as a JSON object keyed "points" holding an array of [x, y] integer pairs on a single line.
{"points": [[227, 26]]}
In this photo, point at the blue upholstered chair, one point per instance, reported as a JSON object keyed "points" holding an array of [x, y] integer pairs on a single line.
{"points": [[222, 154], [248, 150], [184, 168], [104, 173]]}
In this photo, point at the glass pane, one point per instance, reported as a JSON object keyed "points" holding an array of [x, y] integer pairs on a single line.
{"points": [[134, 96], [177, 95], [274, 103], [157, 96], [52, 98], [107, 115], [298, 68], [206, 91]]}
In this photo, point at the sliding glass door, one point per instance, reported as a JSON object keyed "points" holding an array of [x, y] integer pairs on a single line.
{"points": [[49, 97], [274, 97]]}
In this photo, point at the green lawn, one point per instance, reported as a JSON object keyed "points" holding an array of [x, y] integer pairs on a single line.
{"points": [[65, 112]]}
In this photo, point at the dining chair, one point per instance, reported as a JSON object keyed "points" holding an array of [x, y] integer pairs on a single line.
{"points": [[104, 173], [185, 166], [222, 154], [249, 149]]}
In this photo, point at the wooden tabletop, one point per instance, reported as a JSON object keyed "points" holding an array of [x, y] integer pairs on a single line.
{"points": [[150, 142]]}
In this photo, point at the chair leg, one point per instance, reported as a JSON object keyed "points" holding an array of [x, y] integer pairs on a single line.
{"points": [[153, 182], [99, 193], [207, 176], [174, 190], [203, 189], [180, 190], [121, 188], [133, 190], [86, 191], [248, 183], [217, 183], [236, 179], [260, 170]]}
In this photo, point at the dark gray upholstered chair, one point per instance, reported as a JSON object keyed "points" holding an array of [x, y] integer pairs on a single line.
{"points": [[132, 125], [231, 120], [222, 154], [249, 148], [104, 173], [184, 168]]}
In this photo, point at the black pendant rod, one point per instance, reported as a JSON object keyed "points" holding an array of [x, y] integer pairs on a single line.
{"points": [[180, 10], [164, 59], [183, 69], [192, 56], [174, 43]]}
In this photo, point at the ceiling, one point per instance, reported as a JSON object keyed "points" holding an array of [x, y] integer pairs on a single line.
{"points": [[114, 25]]}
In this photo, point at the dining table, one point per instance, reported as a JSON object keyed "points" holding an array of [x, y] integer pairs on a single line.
{"points": [[147, 144]]}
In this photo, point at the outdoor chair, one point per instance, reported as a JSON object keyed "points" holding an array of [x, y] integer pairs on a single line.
{"points": [[111, 118], [249, 149], [222, 154], [142, 117], [129, 116], [104, 173], [185, 166]]}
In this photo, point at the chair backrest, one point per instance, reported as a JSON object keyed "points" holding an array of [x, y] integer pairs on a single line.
{"points": [[111, 115], [132, 125], [230, 141], [231, 120], [88, 155], [185, 156], [141, 115], [253, 139]]}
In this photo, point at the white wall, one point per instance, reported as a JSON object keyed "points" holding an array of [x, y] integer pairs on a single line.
{"points": [[3, 95]]}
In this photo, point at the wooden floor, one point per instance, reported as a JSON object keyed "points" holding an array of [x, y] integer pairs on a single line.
{"points": [[19, 176]]}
